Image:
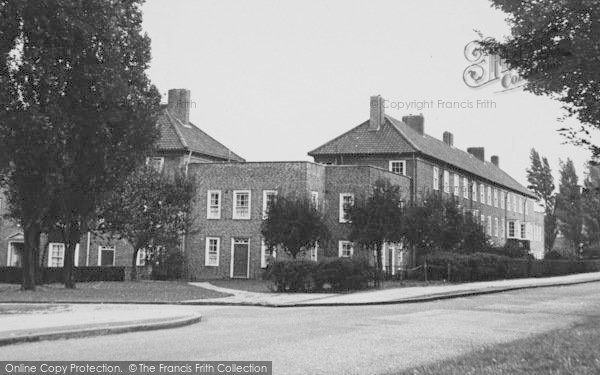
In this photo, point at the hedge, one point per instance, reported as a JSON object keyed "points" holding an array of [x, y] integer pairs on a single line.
{"points": [[336, 274], [48, 275], [486, 266]]}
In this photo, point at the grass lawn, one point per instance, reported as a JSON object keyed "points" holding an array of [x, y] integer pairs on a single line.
{"points": [[572, 350], [410, 283], [259, 286], [110, 291]]}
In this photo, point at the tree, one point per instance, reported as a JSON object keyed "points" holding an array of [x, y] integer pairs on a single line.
{"points": [[554, 46], [377, 220], [80, 73], [150, 210], [293, 224], [541, 182], [568, 204], [591, 204]]}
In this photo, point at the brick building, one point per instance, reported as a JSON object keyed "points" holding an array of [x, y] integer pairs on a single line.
{"points": [[180, 144], [231, 201], [504, 207]]}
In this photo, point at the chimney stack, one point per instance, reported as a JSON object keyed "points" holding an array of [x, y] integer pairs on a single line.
{"points": [[478, 152], [179, 104], [377, 113], [416, 122], [496, 160], [449, 139]]}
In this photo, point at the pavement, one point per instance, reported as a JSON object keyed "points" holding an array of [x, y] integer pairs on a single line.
{"points": [[386, 296], [22, 322]]}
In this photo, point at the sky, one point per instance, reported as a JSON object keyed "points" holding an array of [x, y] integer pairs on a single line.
{"points": [[273, 80]]}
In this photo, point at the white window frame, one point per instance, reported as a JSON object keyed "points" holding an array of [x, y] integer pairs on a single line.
{"points": [[341, 249], [264, 255], [502, 228], [401, 163], [482, 220], [314, 252], [241, 241], [465, 188], [235, 214], [489, 225], [512, 229], [102, 248], [140, 259], [474, 191], [496, 227], [495, 197], [209, 206], [161, 162], [314, 199], [342, 209], [447, 182], [207, 248], [523, 231], [266, 193], [436, 178], [51, 246], [10, 254], [489, 195], [482, 193], [456, 187]]}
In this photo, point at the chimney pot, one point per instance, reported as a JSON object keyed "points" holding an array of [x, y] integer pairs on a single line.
{"points": [[416, 122], [496, 160], [449, 139], [377, 113], [179, 104], [478, 152]]}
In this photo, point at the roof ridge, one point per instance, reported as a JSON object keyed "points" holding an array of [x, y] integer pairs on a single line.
{"points": [[177, 131]]}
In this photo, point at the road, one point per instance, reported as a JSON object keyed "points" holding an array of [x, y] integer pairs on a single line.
{"points": [[339, 340]]}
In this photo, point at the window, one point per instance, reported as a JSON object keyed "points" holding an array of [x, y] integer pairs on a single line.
{"points": [[213, 204], [56, 255], [265, 254], [346, 249], [496, 227], [140, 259], [482, 220], [489, 225], [502, 227], [489, 196], [398, 166], [502, 198], [495, 197], [446, 182], [523, 231], [456, 184], [482, 193], [211, 252], [474, 192], [511, 229], [241, 204], [465, 188], [314, 251], [268, 197], [314, 199], [156, 162], [436, 178], [106, 255], [346, 201]]}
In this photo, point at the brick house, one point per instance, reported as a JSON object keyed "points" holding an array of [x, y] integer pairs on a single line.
{"points": [[504, 207], [180, 144], [231, 201]]}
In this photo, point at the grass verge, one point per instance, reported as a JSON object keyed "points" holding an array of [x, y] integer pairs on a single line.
{"points": [[110, 291], [258, 286], [572, 350]]}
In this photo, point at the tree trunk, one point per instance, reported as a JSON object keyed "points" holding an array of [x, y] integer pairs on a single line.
{"points": [[71, 239], [134, 264], [379, 267], [31, 234]]}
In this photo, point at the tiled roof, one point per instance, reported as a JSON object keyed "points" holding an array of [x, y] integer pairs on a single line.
{"points": [[174, 135], [397, 137]]}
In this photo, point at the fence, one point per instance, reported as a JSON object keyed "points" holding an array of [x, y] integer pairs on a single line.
{"points": [[48, 275]]}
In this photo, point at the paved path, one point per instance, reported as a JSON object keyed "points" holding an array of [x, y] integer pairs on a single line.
{"points": [[26, 322], [339, 340], [391, 295]]}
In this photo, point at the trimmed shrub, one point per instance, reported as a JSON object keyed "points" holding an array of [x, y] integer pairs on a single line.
{"points": [[292, 275], [49, 275], [336, 274], [168, 266], [553, 254], [342, 274]]}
